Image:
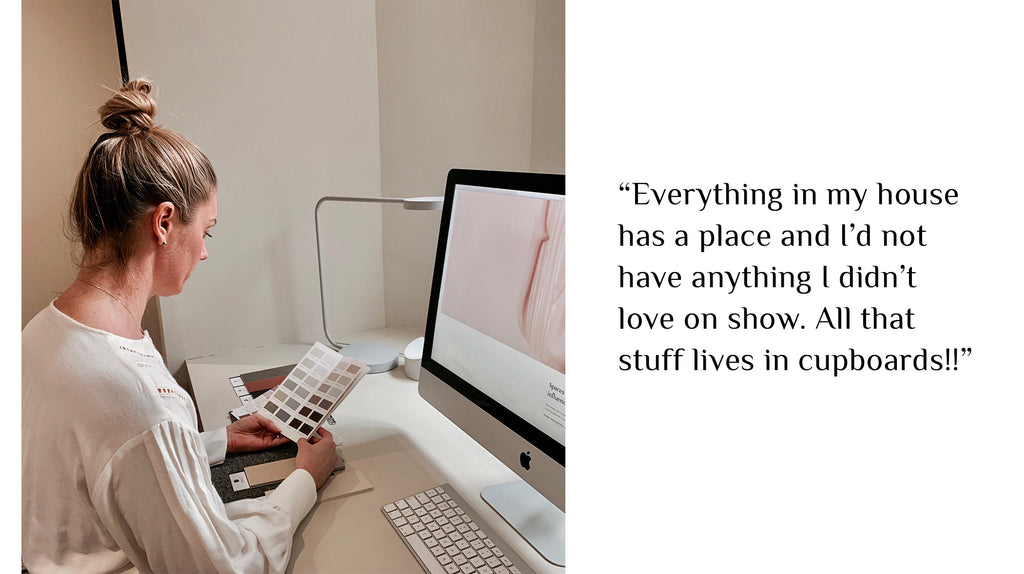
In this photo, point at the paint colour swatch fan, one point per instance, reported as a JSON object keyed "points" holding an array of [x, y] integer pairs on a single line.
{"points": [[311, 391]]}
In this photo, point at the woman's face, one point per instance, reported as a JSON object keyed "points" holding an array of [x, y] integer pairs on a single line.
{"points": [[186, 248]]}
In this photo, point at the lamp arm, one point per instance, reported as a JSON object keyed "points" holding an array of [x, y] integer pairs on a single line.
{"points": [[359, 199], [320, 272], [413, 203]]}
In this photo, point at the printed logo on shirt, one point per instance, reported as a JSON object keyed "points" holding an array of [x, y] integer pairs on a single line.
{"points": [[139, 353], [171, 392]]}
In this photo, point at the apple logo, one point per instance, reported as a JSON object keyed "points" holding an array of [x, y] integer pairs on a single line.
{"points": [[524, 459]]}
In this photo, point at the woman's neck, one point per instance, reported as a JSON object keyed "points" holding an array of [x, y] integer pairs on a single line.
{"points": [[107, 299]]}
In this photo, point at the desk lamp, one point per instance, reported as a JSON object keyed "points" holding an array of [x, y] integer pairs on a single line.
{"points": [[379, 356]]}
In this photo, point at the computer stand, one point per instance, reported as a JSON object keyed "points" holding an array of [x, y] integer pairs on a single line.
{"points": [[541, 523]]}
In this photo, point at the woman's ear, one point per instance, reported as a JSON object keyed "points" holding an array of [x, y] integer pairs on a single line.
{"points": [[162, 220]]}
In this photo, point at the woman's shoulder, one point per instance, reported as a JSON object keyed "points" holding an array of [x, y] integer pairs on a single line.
{"points": [[97, 375]]}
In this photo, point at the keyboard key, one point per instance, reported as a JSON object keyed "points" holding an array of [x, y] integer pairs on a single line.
{"points": [[467, 569], [452, 569], [477, 562], [401, 504], [389, 508]]}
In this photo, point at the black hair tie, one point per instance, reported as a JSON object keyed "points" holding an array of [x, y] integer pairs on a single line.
{"points": [[101, 139]]}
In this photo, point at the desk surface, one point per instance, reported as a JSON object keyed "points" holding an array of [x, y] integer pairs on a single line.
{"points": [[391, 435]]}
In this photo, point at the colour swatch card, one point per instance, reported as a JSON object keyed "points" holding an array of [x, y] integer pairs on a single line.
{"points": [[313, 389]]}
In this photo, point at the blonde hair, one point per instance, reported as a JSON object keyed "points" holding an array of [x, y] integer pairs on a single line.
{"points": [[137, 166]]}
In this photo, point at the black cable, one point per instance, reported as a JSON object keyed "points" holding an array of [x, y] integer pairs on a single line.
{"points": [[119, 32]]}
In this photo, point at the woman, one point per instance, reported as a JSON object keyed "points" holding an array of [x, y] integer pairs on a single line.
{"points": [[115, 476]]}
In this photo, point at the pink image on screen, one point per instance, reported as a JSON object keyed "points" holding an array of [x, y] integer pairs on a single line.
{"points": [[508, 281]]}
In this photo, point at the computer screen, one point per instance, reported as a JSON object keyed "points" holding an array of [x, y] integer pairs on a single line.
{"points": [[494, 349]]}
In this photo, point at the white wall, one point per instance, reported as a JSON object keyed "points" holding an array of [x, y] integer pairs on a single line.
{"points": [[282, 96], [69, 53]]}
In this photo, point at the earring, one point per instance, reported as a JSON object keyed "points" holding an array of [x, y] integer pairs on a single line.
{"points": [[164, 243]]}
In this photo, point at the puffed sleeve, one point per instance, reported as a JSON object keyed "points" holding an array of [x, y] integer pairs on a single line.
{"points": [[156, 499]]}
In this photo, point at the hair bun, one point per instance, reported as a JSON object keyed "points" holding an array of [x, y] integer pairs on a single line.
{"points": [[130, 110]]}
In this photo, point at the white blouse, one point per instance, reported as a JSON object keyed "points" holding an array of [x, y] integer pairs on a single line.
{"points": [[115, 476]]}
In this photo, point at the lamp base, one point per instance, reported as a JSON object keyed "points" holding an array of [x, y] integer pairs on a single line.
{"points": [[380, 357]]}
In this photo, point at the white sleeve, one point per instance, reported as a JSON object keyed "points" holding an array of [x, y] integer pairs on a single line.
{"points": [[216, 443], [156, 499]]}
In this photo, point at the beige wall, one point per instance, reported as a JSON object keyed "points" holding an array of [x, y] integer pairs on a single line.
{"points": [[467, 84], [548, 138], [69, 53]]}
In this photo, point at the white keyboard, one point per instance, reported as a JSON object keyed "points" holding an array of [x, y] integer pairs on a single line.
{"points": [[447, 537]]}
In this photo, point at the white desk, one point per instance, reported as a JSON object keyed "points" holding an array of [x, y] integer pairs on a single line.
{"points": [[397, 440]]}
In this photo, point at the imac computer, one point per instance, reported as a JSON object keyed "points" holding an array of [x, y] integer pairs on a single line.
{"points": [[494, 349]]}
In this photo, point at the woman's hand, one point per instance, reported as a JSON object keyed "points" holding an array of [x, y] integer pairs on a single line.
{"points": [[253, 433], [318, 456]]}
